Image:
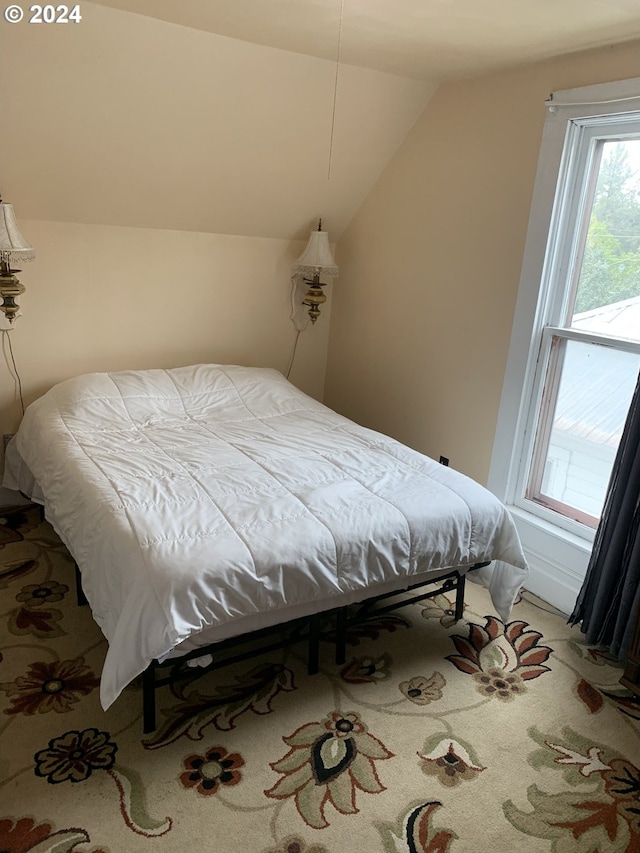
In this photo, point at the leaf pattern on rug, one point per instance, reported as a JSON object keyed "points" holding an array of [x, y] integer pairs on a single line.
{"points": [[327, 761], [40, 623], [604, 817], [591, 697], [500, 657], [24, 835], [15, 569], [370, 628], [594, 698], [133, 804], [597, 656], [8, 534], [626, 702], [414, 832], [253, 691]]}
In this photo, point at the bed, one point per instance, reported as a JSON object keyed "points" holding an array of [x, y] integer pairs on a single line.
{"points": [[202, 503]]}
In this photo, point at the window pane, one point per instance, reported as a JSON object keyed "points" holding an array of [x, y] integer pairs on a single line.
{"points": [[594, 395], [607, 298]]}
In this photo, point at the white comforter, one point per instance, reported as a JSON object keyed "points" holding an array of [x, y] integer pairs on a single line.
{"points": [[222, 498]]}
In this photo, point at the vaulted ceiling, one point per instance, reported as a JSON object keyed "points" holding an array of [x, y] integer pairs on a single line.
{"points": [[426, 39]]}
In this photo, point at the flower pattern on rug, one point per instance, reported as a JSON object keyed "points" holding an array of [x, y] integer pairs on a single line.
{"points": [[414, 832], [367, 670], [500, 658], [16, 521], [206, 773], [450, 761], [442, 608], [422, 690], [296, 844], [26, 836], [600, 811], [499, 683], [327, 761], [585, 799], [37, 594], [48, 687], [75, 755]]}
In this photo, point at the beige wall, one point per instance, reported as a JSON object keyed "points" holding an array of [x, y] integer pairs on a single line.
{"points": [[113, 298], [133, 150], [430, 264], [127, 120]]}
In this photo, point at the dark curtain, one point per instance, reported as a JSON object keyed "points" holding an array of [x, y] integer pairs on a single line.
{"points": [[610, 596]]}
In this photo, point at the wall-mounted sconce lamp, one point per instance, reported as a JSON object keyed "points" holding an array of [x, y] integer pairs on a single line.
{"points": [[13, 247], [316, 260]]}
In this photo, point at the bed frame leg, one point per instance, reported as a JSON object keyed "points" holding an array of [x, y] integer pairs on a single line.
{"points": [[460, 597], [341, 636], [313, 661], [81, 598], [149, 699]]}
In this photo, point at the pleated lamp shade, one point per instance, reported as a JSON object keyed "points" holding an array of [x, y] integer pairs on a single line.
{"points": [[317, 258], [13, 245]]}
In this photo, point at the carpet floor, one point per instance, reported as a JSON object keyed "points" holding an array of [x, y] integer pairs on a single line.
{"points": [[434, 736]]}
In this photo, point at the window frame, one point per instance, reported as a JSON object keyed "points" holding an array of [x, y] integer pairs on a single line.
{"points": [[576, 119]]}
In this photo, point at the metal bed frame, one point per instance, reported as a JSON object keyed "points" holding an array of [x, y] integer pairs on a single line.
{"points": [[158, 674]]}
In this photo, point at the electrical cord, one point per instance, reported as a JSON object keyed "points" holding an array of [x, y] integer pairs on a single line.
{"points": [[293, 354], [553, 610], [295, 320], [13, 369], [335, 91]]}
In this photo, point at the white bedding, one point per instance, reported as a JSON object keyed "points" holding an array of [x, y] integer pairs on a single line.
{"points": [[220, 499]]}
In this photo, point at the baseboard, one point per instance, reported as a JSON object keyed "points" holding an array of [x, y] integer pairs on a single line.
{"points": [[549, 581]]}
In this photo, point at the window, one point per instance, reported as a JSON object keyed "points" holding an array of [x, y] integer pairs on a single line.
{"points": [[590, 345], [574, 356]]}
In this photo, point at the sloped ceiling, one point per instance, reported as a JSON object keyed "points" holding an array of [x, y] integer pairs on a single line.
{"points": [[426, 39], [234, 116], [125, 119]]}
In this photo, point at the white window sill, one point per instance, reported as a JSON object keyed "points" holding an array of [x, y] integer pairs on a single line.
{"points": [[547, 528]]}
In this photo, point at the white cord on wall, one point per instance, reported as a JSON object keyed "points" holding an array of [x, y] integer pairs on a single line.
{"points": [[299, 316], [10, 361]]}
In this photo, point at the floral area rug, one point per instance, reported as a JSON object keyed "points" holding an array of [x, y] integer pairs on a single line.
{"points": [[434, 736]]}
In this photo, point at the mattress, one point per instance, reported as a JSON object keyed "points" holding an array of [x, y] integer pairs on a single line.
{"points": [[206, 501]]}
